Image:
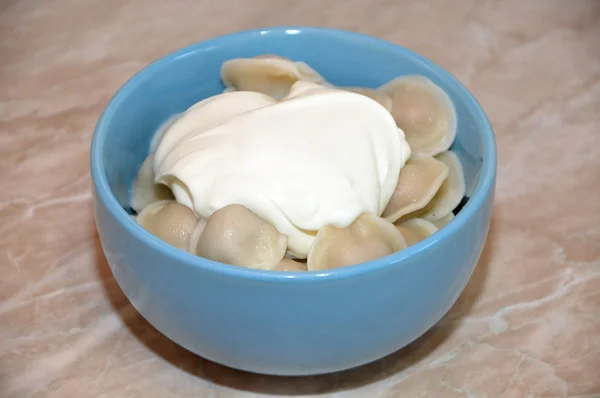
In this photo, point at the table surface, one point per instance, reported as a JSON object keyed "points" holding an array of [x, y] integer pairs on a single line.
{"points": [[528, 323]]}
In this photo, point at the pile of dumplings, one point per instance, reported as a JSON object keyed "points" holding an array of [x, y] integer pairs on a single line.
{"points": [[430, 187]]}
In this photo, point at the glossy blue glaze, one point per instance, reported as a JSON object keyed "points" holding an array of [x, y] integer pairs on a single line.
{"points": [[284, 323]]}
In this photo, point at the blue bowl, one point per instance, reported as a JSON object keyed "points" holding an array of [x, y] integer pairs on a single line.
{"points": [[273, 322]]}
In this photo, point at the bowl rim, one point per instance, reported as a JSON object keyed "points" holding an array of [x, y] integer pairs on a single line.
{"points": [[105, 194]]}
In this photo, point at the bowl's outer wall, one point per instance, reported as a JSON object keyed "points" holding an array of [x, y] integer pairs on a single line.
{"points": [[272, 327]]}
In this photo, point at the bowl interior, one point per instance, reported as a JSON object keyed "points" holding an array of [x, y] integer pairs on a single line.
{"points": [[175, 82]]}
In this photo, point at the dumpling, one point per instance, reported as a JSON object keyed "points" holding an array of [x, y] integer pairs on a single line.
{"points": [[442, 222], [169, 221], [424, 112], [196, 234], [419, 180], [451, 192], [415, 230], [144, 191], [271, 75], [289, 265], [376, 95], [272, 56], [369, 237], [235, 235]]}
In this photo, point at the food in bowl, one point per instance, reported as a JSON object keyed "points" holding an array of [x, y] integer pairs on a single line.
{"points": [[284, 323], [284, 171]]}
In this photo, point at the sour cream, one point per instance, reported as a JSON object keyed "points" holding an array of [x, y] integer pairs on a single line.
{"points": [[321, 156]]}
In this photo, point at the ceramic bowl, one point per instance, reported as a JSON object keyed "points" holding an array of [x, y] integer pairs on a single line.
{"points": [[273, 322]]}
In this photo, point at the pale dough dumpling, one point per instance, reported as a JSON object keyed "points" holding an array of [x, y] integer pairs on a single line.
{"points": [[376, 95], [442, 222], [237, 236], [289, 265], [144, 191], [272, 56], [424, 112], [369, 237], [415, 230], [271, 75], [450, 193], [196, 234], [419, 180], [169, 221]]}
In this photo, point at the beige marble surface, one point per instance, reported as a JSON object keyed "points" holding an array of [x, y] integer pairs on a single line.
{"points": [[528, 324]]}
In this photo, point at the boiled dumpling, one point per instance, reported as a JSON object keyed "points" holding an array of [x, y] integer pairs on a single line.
{"points": [[272, 56], [289, 265], [196, 234], [416, 229], [419, 180], [450, 193], [144, 191], [271, 75], [424, 112], [169, 221], [442, 222], [369, 237], [376, 95], [237, 236]]}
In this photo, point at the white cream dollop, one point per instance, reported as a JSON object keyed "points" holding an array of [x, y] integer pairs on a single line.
{"points": [[320, 156]]}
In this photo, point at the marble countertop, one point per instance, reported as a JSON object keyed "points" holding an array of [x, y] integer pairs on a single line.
{"points": [[527, 325]]}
